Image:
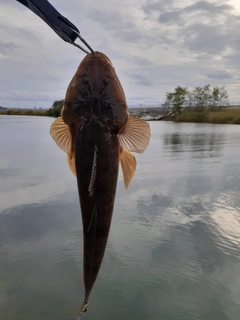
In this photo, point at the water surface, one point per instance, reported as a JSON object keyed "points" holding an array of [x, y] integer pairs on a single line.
{"points": [[173, 250]]}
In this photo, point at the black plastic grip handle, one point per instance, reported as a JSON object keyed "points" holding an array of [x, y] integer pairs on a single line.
{"points": [[61, 25]]}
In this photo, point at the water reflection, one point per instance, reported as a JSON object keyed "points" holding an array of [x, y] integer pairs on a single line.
{"points": [[201, 144], [173, 249], [40, 246], [226, 218]]}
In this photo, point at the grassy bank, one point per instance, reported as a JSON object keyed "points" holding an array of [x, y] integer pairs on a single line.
{"points": [[18, 112], [231, 116]]}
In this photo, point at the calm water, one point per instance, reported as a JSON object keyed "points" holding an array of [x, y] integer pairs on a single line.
{"points": [[173, 250]]}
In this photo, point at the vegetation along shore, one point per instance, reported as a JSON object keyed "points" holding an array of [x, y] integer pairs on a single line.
{"points": [[202, 104]]}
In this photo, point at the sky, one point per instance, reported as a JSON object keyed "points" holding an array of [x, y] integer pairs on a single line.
{"points": [[154, 46]]}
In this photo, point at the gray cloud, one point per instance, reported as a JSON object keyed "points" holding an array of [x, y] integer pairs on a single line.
{"points": [[213, 39], [178, 15], [205, 38], [142, 79], [219, 74], [142, 62], [159, 6], [7, 47], [23, 33], [212, 8], [120, 25], [170, 17], [154, 46], [233, 60]]}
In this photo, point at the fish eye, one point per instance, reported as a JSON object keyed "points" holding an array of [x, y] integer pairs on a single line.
{"points": [[85, 80], [106, 81]]}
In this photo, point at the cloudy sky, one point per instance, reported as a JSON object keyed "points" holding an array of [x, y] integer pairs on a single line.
{"points": [[154, 46]]}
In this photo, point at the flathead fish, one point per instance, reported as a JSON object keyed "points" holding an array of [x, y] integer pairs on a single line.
{"points": [[96, 132]]}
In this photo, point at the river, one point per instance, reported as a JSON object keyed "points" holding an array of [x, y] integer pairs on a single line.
{"points": [[173, 249]]}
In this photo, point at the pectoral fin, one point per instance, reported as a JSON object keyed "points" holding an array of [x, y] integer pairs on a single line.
{"points": [[135, 135], [128, 164], [61, 134]]}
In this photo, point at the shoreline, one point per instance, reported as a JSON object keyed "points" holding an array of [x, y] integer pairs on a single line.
{"points": [[225, 116]]}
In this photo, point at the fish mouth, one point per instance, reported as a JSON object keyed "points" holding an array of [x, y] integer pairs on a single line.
{"points": [[98, 57]]}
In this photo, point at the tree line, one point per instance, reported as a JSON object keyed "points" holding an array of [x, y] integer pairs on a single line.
{"points": [[55, 110], [200, 98]]}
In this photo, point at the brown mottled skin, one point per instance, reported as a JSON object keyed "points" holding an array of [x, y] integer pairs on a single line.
{"points": [[95, 109]]}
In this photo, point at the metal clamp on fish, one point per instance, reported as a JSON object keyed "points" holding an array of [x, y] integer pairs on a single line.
{"points": [[61, 25]]}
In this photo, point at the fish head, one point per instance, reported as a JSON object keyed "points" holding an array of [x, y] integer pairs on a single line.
{"points": [[95, 94]]}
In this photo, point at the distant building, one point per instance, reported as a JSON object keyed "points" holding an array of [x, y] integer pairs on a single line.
{"points": [[2, 108]]}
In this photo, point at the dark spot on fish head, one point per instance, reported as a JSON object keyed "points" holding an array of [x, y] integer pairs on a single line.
{"points": [[85, 80], [106, 81]]}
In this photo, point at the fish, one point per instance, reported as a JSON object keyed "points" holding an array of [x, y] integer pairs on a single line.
{"points": [[97, 133]]}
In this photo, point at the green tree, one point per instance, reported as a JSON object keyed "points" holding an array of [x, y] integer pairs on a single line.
{"points": [[219, 97], [202, 97], [176, 99], [206, 98], [55, 110]]}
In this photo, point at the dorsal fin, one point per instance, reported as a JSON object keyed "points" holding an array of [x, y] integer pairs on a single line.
{"points": [[128, 164], [135, 135], [61, 134]]}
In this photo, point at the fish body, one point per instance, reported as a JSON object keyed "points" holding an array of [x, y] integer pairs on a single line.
{"points": [[97, 134], [97, 162]]}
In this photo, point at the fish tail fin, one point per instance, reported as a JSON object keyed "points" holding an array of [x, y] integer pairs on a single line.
{"points": [[84, 308]]}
